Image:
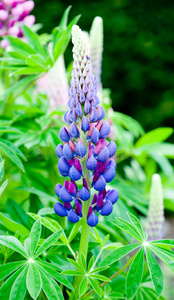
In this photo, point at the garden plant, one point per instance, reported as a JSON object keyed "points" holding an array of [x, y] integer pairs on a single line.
{"points": [[84, 189]]}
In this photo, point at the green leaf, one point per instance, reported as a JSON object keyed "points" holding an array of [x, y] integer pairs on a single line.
{"points": [[3, 186], [165, 258], [76, 265], [117, 254], [48, 242], [156, 135], [124, 225], [91, 262], [58, 289], [33, 40], [13, 226], [18, 43], [136, 223], [37, 192], [17, 213], [72, 273], [165, 242], [95, 286], [15, 149], [83, 286], [34, 281], [83, 260], [35, 236], [155, 272], [74, 231], [46, 211], [135, 274], [99, 277], [11, 154], [6, 287], [7, 269], [19, 287], [13, 243], [57, 276], [64, 20], [48, 287]]}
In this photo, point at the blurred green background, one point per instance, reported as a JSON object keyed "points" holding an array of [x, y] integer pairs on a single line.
{"points": [[138, 60]]}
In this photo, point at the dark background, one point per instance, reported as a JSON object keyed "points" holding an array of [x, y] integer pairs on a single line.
{"points": [[138, 59]]}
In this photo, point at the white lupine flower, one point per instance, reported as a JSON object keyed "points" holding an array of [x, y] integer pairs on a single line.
{"points": [[155, 218]]}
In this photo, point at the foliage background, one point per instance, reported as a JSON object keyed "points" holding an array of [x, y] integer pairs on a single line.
{"points": [[138, 52]]}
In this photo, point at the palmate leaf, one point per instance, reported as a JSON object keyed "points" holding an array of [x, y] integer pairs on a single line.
{"points": [[35, 236], [156, 135], [117, 254], [14, 244], [33, 39], [7, 269], [155, 272], [95, 286], [165, 258], [33, 281], [83, 286], [3, 186], [135, 274], [124, 225], [48, 286]]}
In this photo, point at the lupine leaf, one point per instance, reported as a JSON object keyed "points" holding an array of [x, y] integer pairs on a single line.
{"points": [[11, 154], [13, 243], [59, 277], [6, 287], [156, 135], [83, 260], [136, 223], [46, 211], [38, 193], [95, 286], [48, 242], [19, 287], [3, 186], [48, 287], [135, 274], [17, 213], [99, 277], [155, 272], [13, 226], [35, 236], [72, 273], [167, 242], [124, 225], [117, 254], [165, 258], [58, 289], [91, 262], [33, 40], [18, 43], [8, 268], [75, 264], [34, 281], [74, 231], [83, 286]]}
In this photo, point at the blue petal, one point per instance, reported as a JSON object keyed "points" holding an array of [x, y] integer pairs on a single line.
{"points": [[109, 174], [67, 151], [112, 196], [74, 131], [106, 208], [103, 155], [85, 124], [91, 163], [92, 220], [74, 173], [60, 210], [112, 148], [84, 194], [58, 188], [100, 184], [65, 196], [95, 135], [80, 149], [64, 135], [63, 165], [73, 217], [59, 150], [105, 130]]}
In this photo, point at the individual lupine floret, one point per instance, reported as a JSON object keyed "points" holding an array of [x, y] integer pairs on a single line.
{"points": [[14, 13], [86, 153], [155, 218]]}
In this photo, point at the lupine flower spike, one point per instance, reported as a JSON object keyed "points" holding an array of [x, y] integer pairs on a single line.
{"points": [[155, 219], [96, 49], [86, 154], [14, 13], [55, 84]]}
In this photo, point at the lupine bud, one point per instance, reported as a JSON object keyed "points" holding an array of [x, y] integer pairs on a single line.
{"points": [[86, 152], [58, 188], [155, 218], [60, 210], [64, 135]]}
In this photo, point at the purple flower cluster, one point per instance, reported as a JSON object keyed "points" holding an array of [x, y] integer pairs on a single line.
{"points": [[12, 14], [86, 153]]}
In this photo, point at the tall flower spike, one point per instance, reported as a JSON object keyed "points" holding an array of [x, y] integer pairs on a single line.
{"points": [[86, 153], [155, 218], [96, 49], [14, 13]]}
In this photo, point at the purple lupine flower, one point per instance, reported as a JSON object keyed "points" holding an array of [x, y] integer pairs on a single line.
{"points": [[86, 154], [14, 13]]}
